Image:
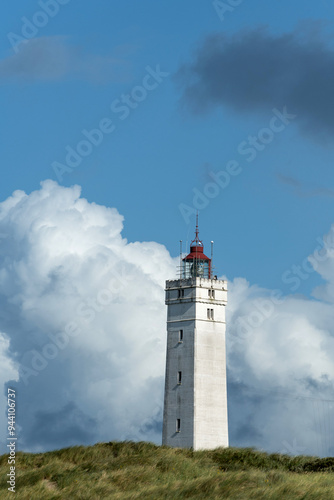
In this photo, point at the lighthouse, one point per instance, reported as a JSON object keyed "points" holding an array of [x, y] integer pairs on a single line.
{"points": [[195, 401]]}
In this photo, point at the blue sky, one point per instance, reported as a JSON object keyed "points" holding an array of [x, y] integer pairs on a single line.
{"points": [[153, 160], [144, 105]]}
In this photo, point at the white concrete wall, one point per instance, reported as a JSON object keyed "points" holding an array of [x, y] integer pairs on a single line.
{"points": [[201, 400], [210, 396], [179, 399]]}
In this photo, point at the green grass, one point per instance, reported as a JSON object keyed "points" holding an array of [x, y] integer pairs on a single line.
{"points": [[127, 470]]}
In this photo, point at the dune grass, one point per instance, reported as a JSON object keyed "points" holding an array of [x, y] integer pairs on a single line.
{"points": [[127, 470]]}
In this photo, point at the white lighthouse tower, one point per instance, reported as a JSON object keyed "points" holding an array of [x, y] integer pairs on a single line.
{"points": [[195, 404]]}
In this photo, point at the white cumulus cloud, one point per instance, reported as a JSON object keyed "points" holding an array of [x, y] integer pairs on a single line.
{"points": [[83, 335], [83, 311]]}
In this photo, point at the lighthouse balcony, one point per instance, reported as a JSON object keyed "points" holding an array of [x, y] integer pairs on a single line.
{"points": [[192, 282], [210, 291]]}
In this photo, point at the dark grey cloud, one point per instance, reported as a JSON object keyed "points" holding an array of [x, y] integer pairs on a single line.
{"points": [[303, 191], [287, 180], [54, 58], [67, 426], [254, 71]]}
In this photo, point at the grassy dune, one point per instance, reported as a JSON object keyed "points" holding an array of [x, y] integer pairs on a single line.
{"points": [[127, 470]]}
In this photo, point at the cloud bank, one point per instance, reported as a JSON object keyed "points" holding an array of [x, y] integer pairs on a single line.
{"points": [[83, 311], [254, 71], [82, 335]]}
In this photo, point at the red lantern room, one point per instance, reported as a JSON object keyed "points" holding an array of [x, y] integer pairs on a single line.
{"points": [[196, 263]]}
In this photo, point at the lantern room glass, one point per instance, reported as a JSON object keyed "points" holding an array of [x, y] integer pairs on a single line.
{"points": [[196, 268]]}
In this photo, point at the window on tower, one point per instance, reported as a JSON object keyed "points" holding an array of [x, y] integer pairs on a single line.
{"points": [[209, 313], [180, 293], [179, 378], [178, 425], [180, 336]]}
